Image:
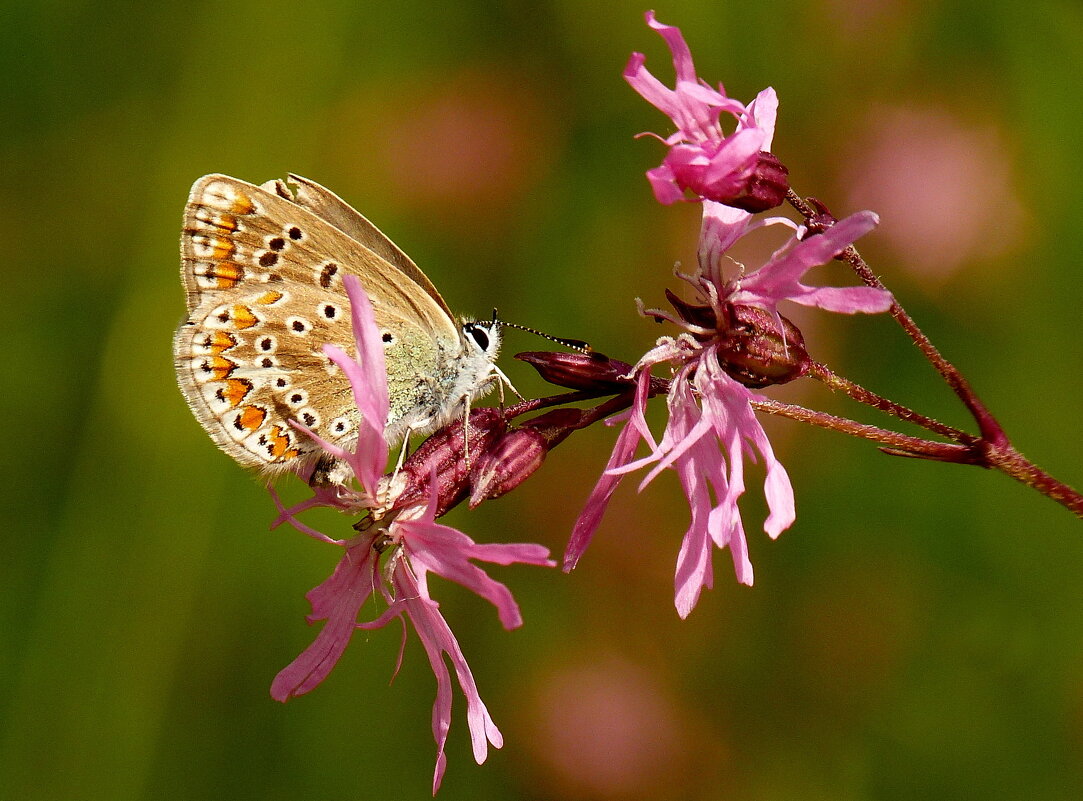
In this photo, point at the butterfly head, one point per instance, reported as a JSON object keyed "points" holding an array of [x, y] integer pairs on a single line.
{"points": [[481, 338]]}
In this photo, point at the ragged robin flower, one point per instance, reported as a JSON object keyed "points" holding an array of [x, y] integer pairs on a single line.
{"points": [[733, 338], [735, 168], [398, 545]]}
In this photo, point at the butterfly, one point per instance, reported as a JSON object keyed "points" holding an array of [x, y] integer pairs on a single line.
{"points": [[262, 269]]}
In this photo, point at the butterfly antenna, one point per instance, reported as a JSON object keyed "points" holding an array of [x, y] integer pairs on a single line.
{"points": [[574, 344]]}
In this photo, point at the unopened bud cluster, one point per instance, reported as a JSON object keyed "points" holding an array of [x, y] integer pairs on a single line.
{"points": [[448, 457], [520, 452]]}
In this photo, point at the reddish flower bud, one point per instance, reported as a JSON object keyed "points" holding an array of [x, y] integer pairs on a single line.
{"points": [[557, 424], [765, 188], [755, 352], [516, 455], [593, 372], [508, 464], [821, 220], [448, 451]]}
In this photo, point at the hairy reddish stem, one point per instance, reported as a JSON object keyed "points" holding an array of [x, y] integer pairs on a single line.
{"points": [[992, 450], [534, 404], [891, 441], [987, 424], [967, 450], [861, 395], [1008, 460]]}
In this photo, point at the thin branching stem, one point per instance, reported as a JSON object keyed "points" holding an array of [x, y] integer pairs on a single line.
{"points": [[900, 444], [988, 426], [831, 379], [991, 450]]}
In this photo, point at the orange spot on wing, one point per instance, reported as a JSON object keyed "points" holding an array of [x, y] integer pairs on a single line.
{"points": [[242, 204], [236, 390], [227, 274], [279, 443], [267, 298], [220, 367], [243, 317], [252, 417], [226, 222], [222, 249], [221, 341]]}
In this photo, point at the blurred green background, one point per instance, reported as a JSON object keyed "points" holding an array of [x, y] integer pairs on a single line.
{"points": [[917, 634]]}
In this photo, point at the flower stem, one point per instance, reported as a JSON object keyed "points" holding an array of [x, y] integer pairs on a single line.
{"points": [[992, 450], [988, 426], [861, 395], [534, 404], [1008, 460], [890, 441]]}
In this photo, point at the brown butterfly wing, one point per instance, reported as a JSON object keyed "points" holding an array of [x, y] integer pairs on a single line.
{"points": [[263, 278]]}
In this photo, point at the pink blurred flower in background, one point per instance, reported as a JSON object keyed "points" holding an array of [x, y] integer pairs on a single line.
{"points": [[943, 184], [607, 728], [498, 131]]}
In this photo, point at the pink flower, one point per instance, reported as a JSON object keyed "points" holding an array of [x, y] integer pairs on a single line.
{"points": [[780, 278], [415, 545], [711, 427], [701, 157], [421, 545]]}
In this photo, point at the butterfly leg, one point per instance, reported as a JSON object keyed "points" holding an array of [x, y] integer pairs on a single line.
{"points": [[404, 451], [502, 381], [466, 432]]}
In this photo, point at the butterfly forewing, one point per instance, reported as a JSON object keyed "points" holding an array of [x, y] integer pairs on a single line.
{"points": [[263, 278], [328, 206]]}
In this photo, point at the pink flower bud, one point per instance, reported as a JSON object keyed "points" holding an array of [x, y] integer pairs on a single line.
{"points": [[516, 455], [508, 464], [821, 220]]}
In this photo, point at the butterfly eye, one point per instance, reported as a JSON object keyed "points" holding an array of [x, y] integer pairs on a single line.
{"points": [[478, 334]]}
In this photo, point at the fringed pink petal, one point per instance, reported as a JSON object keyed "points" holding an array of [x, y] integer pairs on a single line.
{"points": [[289, 516], [694, 571], [338, 600], [764, 112], [682, 55], [594, 508], [374, 403], [438, 639], [447, 551], [780, 278]]}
